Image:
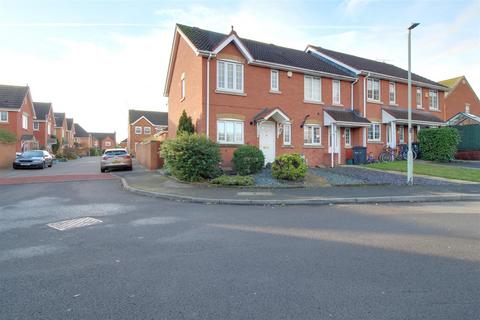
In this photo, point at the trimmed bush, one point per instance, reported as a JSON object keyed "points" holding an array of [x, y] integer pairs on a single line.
{"points": [[248, 160], [225, 180], [69, 153], [289, 167], [439, 144], [94, 152], [185, 124], [191, 157], [56, 146], [7, 136]]}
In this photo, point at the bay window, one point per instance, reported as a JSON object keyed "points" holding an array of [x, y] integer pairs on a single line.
{"points": [[312, 134], [230, 131], [373, 89], [313, 89], [229, 76]]}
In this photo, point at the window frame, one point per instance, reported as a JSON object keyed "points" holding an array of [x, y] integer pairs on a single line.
{"points": [[108, 144], [311, 97], [149, 130], [234, 135], [394, 101], [312, 127], [37, 125], [349, 143], [182, 89], [430, 99], [334, 82], [49, 128], [138, 130], [371, 82], [6, 118], [24, 121], [235, 79], [419, 105], [277, 88], [401, 134], [467, 108], [379, 131], [287, 142]]}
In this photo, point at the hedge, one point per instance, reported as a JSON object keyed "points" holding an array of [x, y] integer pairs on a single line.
{"points": [[248, 160], [438, 144], [289, 167], [7, 136]]}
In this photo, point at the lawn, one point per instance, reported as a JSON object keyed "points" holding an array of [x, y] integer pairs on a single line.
{"points": [[430, 169]]}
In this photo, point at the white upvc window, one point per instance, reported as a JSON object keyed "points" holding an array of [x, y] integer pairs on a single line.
{"points": [[49, 128], [183, 88], [374, 132], [419, 98], [348, 137], [433, 99], [313, 89], [108, 144], [287, 134], [401, 134], [392, 92], [230, 131], [229, 76], [312, 134], [336, 92], [24, 121], [274, 81], [147, 130], [373, 89], [3, 116], [138, 130], [467, 107], [36, 125]]}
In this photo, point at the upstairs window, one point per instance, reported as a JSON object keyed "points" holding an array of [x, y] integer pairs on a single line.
{"points": [[313, 89], [311, 134], [433, 99], [467, 108], [274, 81], [392, 93], [36, 125], [147, 130], [229, 76], [108, 143], [419, 98], [373, 89], [138, 130], [183, 89], [3, 116], [336, 91], [49, 128], [24, 121]]}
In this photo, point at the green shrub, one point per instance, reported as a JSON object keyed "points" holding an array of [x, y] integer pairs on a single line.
{"points": [[185, 124], [94, 152], [191, 157], [439, 144], [69, 153], [289, 167], [7, 136], [248, 160], [234, 180], [55, 146]]}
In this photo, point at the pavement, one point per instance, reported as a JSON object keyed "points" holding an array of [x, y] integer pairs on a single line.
{"points": [[155, 259]]}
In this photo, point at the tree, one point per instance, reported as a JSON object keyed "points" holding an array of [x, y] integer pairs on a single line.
{"points": [[185, 124], [55, 146]]}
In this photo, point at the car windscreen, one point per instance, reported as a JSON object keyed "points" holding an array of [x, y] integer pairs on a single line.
{"points": [[31, 154], [116, 153]]}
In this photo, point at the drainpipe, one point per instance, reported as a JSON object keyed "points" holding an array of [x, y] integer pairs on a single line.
{"points": [[207, 129], [351, 92], [365, 108]]}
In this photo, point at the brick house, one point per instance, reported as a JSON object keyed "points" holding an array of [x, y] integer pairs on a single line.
{"points": [[17, 115], [82, 140], [285, 100], [124, 143], [144, 124], [61, 129], [104, 140], [44, 125], [70, 132], [461, 98]]}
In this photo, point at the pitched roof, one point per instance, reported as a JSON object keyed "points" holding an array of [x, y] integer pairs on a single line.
{"points": [[42, 109], [205, 40], [11, 97], [103, 135], [79, 131], [69, 123], [343, 115], [451, 82], [364, 64], [402, 114], [462, 116], [155, 117], [59, 117]]}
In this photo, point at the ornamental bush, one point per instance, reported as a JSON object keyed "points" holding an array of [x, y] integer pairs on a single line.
{"points": [[248, 160], [7, 136], [225, 180], [185, 124], [289, 167], [439, 144], [191, 157]]}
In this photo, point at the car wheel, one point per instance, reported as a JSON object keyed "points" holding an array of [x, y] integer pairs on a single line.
{"points": [[129, 168], [43, 165], [102, 169], [51, 164]]}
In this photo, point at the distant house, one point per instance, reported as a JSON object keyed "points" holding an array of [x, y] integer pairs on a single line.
{"points": [[44, 125], [70, 133], [17, 115], [83, 140], [61, 129], [103, 140], [144, 124], [124, 143], [460, 98]]}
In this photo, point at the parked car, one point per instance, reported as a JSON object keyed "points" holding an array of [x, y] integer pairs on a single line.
{"points": [[116, 159], [33, 159]]}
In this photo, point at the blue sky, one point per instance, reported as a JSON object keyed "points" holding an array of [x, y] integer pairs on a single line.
{"points": [[96, 59]]}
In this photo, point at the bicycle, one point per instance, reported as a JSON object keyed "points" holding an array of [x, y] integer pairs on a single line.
{"points": [[391, 154]]}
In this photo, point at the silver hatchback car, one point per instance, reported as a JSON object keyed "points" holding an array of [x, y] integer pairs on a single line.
{"points": [[115, 159]]}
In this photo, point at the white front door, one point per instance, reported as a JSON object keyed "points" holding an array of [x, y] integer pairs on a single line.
{"points": [[267, 140], [336, 148]]}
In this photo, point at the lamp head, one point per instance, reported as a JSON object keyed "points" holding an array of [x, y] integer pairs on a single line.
{"points": [[413, 26]]}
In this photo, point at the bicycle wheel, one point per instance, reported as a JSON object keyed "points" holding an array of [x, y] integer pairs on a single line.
{"points": [[381, 157], [414, 154]]}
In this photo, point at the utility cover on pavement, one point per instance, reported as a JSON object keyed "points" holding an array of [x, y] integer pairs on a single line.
{"points": [[74, 223]]}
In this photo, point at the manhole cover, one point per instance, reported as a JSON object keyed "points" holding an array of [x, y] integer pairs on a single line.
{"points": [[74, 223]]}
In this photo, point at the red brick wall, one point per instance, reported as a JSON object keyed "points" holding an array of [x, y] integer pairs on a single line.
{"points": [[112, 142], [147, 155], [456, 100], [7, 154], [134, 138]]}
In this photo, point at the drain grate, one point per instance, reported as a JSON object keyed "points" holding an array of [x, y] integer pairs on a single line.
{"points": [[74, 223]]}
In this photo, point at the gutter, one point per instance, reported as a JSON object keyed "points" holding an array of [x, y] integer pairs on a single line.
{"points": [[207, 129]]}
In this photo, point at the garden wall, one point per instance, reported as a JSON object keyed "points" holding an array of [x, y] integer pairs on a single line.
{"points": [[147, 154], [7, 154]]}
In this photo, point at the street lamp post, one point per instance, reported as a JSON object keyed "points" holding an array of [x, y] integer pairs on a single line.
{"points": [[410, 153]]}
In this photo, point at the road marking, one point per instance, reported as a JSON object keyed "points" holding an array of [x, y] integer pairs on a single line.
{"points": [[248, 193], [74, 223]]}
